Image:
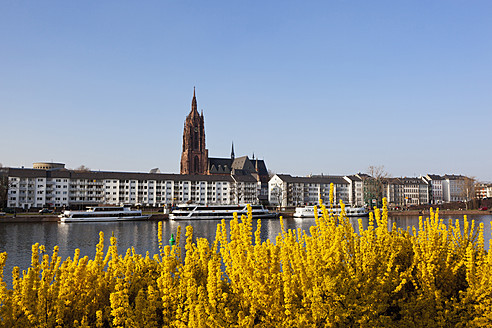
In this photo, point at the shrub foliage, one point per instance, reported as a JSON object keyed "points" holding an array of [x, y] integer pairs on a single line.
{"points": [[435, 276]]}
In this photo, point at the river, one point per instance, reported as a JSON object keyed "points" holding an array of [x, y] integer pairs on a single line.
{"points": [[17, 238]]}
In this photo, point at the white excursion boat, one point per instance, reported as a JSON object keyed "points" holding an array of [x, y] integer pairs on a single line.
{"points": [[103, 214], [308, 211], [217, 212]]}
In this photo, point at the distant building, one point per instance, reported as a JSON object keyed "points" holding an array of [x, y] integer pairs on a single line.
{"points": [[415, 190], [436, 195], [372, 190], [393, 190], [286, 190], [356, 196], [202, 180], [195, 159], [453, 188], [69, 188], [483, 190], [48, 166]]}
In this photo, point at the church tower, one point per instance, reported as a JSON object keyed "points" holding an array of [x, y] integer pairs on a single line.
{"points": [[194, 157]]}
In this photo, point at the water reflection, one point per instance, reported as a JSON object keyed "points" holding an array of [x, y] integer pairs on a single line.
{"points": [[17, 238]]}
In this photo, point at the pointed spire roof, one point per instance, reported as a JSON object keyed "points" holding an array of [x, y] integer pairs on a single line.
{"points": [[194, 107], [232, 151]]}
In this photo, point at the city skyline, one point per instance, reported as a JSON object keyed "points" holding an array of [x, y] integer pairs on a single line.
{"points": [[328, 88]]}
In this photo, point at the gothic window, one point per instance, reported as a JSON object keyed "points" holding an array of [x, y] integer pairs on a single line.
{"points": [[195, 144], [196, 165]]}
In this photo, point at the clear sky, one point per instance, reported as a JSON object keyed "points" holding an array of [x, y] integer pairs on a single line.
{"points": [[316, 87]]}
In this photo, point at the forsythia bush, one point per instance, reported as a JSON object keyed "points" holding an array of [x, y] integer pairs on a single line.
{"points": [[436, 276]]}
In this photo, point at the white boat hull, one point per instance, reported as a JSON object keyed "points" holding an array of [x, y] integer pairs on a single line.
{"points": [[103, 214], [218, 212], [308, 212], [223, 216], [106, 219]]}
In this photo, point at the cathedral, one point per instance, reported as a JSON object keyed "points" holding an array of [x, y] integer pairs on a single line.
{"points": [[195, 160]]}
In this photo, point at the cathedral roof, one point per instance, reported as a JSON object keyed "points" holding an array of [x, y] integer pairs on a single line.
{"points": [[219, 165], [243, 163], [262, 170]]}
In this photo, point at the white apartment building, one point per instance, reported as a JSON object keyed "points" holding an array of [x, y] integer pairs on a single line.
{"points": [[285, 190], [415, 191], [453, 187], [483, 190], [33, 190], [57, 188], [436, 193], [356, 187], [393, 190]]}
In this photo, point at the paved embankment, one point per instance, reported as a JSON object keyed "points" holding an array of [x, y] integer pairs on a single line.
{"points": [[54, 218], [28, 218], [426, 213]]}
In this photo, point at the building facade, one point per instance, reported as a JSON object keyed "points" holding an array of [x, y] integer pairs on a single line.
{"points": [[286, 190], [453, 188], [394, 192], [356, 197], [483, 190], [415, 190], [36, 188], [435, 188], [194, 157]]}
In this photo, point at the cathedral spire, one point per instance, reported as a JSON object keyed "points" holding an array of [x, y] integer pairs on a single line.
{"points": [[194, 106], [232, 151], [194, 158]]}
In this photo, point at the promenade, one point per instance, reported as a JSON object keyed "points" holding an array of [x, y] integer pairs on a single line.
{"points": [[35, 218]]}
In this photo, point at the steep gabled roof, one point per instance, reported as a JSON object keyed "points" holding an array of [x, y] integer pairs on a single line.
{"points": [[353, 178], [244, 178], [453, 177], [243, 163], [219, 165], [434, 177]]}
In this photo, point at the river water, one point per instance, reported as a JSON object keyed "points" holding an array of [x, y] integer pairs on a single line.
{"points": [[17, 238]]}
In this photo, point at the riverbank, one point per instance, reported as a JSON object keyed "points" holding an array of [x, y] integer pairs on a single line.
{"points": [[36, 218], [426, 213]]}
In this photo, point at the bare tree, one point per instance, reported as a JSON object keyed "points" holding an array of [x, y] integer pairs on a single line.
{"points": [[468, 190], [4, 187], [82, 168], [373, 185], [278, 194], [378, 172]]}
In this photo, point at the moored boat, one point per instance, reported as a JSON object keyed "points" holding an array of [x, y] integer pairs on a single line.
{"points": [[308, 211], [217, 212], [103, 214]]}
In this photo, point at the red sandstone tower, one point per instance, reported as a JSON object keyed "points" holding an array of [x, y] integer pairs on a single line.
{"points": [[194, 157]]}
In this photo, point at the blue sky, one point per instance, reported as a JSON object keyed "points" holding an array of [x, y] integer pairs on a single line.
{"points": [[309, 86]]}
